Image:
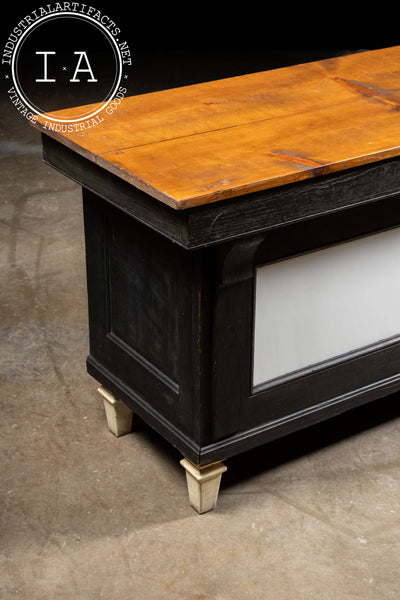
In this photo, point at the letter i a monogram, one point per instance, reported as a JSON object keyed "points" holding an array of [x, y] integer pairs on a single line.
{"points": [[82, 54]]}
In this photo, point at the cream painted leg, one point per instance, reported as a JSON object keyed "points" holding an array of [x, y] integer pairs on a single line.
{"points": [[119, 416], [203, 484]]}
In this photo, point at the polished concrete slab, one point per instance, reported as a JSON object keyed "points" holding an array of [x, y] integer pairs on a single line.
{"points": [[85, 515]]}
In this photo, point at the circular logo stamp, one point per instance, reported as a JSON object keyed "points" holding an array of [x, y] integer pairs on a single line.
{"points": [[68, 63]]}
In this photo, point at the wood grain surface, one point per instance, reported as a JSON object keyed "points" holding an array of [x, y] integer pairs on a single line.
{"points": [[203, 143]]}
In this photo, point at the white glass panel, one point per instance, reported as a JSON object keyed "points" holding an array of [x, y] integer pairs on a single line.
{"points": [[325, 303]]}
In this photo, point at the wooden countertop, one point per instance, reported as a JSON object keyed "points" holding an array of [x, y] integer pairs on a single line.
{"points": [[203, 143]]}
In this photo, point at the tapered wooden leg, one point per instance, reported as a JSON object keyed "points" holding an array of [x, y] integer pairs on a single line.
{"points": [[203, 484], [119, 415]]}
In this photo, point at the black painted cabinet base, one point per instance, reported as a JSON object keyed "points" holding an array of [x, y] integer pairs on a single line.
{"points": [[171, 331]]}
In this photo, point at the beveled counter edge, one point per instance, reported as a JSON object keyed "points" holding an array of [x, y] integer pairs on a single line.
{"points": [[237, 217]]}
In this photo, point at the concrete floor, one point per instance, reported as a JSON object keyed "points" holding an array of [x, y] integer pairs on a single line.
{"points": [[85, 516]]}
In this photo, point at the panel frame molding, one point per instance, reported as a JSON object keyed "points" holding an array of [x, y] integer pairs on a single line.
{"points": [[299, 396]]}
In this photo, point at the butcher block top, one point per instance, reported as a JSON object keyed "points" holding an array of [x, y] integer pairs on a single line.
{"points": [[203, 143]]}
